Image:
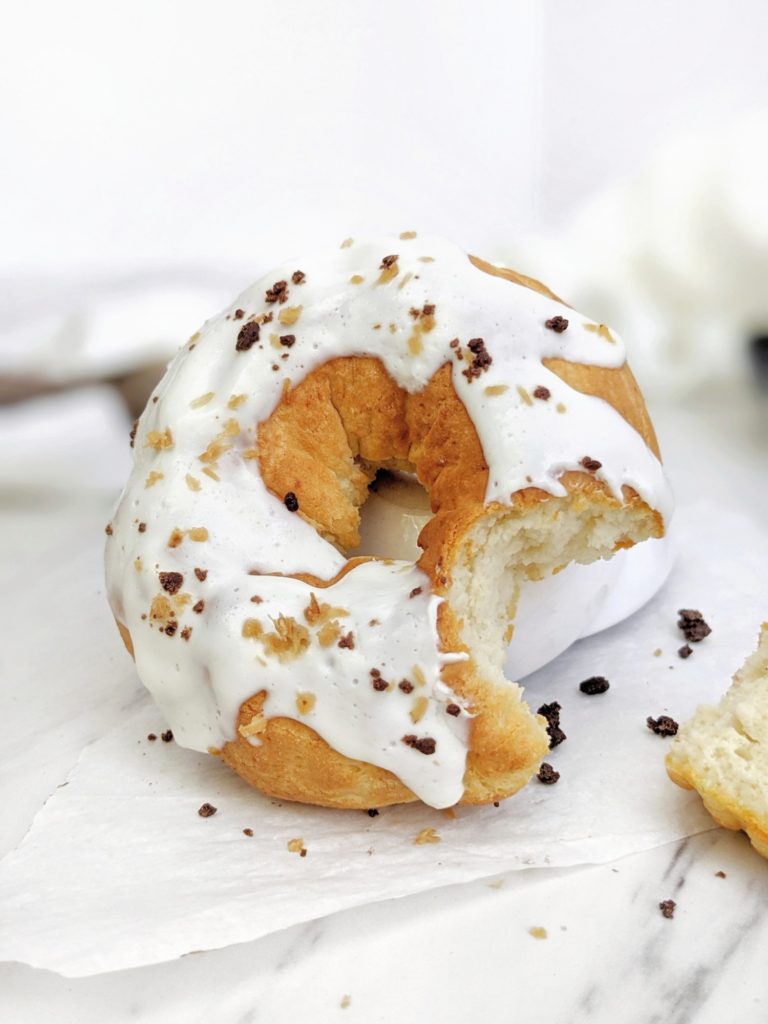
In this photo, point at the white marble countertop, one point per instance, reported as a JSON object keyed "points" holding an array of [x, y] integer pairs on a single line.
{"points": [[453, 953]]}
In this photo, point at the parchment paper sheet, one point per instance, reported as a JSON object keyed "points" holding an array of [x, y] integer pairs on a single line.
{"points": [[119, 870]]}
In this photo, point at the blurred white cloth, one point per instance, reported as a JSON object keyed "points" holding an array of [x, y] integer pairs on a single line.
{"points": [[676, 259], [64, 331]]}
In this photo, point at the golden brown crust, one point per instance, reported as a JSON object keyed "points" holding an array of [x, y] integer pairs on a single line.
{"points": [[324, 441]]}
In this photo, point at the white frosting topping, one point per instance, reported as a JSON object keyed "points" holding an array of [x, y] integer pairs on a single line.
{"points": [[215, 514]]}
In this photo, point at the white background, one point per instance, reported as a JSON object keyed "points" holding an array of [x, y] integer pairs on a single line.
{"points": [[234, 134]]}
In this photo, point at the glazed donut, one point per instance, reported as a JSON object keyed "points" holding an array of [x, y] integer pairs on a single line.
{"points": [[355, 681]]}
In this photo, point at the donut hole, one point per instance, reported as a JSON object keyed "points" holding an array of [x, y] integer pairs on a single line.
{"points": [[393, 516]]}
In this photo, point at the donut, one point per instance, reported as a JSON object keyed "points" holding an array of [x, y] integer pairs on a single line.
{"points": [[722, 751], [351, 680]]}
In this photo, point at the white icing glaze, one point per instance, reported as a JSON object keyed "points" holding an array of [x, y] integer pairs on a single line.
{"points": [[200, 682]]}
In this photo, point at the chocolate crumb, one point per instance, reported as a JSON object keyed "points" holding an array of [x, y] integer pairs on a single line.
{"points": [[453, 709], [667, 908], [151, 737], [692, 624], [542, 393], [557, 323], [380, 684], [108, 529], [663, 725], [720, 874], [426, 745], [247, 831], [166, 736], [303, 851], [551, 712], [428, 309], [347, 641], [481, 359], [685, 651], [170, 629], [593, 685], [291, 502], [171, 582], [202, 574], [547, 774], [372, 812], [132, 434], [287, 340], [405, 685], [207, 810], [277, 293], [142, 527], [415, 592], [247, 336], [387, 262], [198, 607], [454, 343], [496, 803], [186, 633], [591, 464], [239, 314], [298, 277]]}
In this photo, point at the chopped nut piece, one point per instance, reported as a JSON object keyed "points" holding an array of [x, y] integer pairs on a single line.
{"points": [[295, 845], [602, 331], [192, 482], [537, 932], [347, 243], [198, 534], [426, 836], [356, 279], [252, 629], [523, 394], [152, 478], [160, 440], [305, 702], [419, 709], [198, 403], [406, 236], [496, 389], [289, 315], [236, 401]]}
